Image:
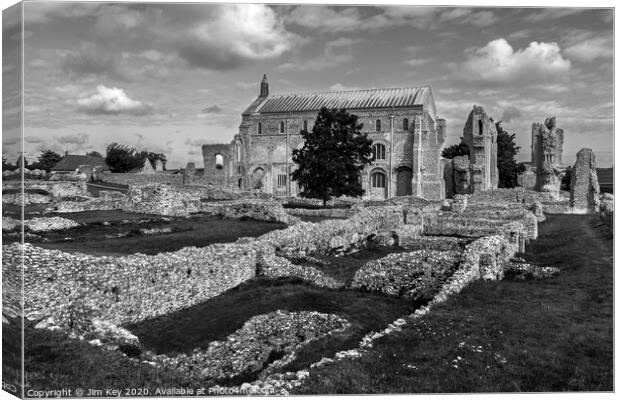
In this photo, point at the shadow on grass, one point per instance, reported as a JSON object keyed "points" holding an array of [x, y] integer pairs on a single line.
{"points": [[534, 336]]}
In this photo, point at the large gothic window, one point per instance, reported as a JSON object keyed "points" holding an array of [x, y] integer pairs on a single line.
{"points": [[378, 151]]}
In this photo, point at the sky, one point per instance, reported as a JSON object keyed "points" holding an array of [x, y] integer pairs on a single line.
{"points": [[171, 77]]}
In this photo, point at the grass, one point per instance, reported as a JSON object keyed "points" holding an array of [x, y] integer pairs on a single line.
{"points": [[98, 239], [534, 336], [343, 268]]}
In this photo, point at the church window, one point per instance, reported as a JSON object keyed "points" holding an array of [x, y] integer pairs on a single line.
{"points": [[260, 128], [479, 127], [377, 180], [281, 126], [378, 125], [219, 161], [281, 180], [379, 151], [238, 151], [305, 125], [405, 124]]}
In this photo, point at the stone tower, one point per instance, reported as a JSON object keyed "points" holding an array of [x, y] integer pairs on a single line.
{"points": [[547, 143], [264, 87], [584, 188], [480, 136]]}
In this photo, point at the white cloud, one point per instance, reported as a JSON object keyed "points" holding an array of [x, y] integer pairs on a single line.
{"points": [[498, 62], [76, 139], [235, 33], [339, 87], [416, 62], [112, 101], [510, 113], [591, 48], [336, 52], [324, 18]]}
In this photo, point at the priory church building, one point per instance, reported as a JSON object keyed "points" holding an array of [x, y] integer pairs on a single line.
{"points": [[407, 140]]}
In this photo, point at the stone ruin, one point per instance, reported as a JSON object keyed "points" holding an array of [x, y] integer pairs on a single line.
{"points": [[477, 171], [159, 165], [584, 188], [188, 173], [547, 142]]}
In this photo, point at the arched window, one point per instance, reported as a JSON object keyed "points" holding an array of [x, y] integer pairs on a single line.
{"points": [[378, 151], [305, 125], [377, 180], [238, 151], [260, 128], [281, 126], [219, 161], [479, 127], [405, 124], [378, 125]]}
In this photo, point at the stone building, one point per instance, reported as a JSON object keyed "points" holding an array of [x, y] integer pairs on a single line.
{"points": [[402, 122], [477, 171], [547, 144]]}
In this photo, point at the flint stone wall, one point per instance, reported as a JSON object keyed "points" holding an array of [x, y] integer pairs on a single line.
{"points": [[55, 189], [415, 275], [142, 179], [326, 213], [584, 188]]}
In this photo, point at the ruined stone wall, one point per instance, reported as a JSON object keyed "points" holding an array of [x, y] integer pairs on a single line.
{"points": [[131, 178], [584, 188], [221, 166]]}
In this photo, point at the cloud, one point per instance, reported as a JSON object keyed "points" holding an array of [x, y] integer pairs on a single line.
{"points": [[33, 139], [510, 113], [195, 142], [548, 14], [211, 110], [10, 140], [77, 139], [416, 62], [233, 34], [339, 87], [112, 101], [335, 53], [498, 63], [90, 61], [348, 19], [588, 47]]}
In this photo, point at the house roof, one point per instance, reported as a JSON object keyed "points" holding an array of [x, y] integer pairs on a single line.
{"points": [[71, 162], [350, 100]]}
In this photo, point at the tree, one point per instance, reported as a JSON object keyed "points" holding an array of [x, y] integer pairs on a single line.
{"points": [[94, 154], [455, 150], [506, 162], [121, 158], [333, 156], [46, 160]]}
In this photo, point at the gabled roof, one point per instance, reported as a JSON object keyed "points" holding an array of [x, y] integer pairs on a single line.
{"points": [[71, 162], [350, 100]]}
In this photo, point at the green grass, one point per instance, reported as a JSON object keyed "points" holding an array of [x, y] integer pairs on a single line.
{"points": [[548, 335]]}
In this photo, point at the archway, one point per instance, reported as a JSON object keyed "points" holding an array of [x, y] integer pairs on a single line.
{"points": [[404, 175], [257, 179], [378, 184]]}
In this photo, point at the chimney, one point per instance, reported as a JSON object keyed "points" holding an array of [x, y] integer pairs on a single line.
{"points": [[264, 87]]}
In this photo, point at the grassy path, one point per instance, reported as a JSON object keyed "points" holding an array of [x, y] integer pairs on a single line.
{"points": [[548, 335]]}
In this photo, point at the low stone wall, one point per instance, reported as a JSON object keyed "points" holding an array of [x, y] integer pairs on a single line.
{"points": [[416, 275], [336, 235], [261, 210], [26, 199], [502, 197], [325, 212], [72, 290], [142, 179]]}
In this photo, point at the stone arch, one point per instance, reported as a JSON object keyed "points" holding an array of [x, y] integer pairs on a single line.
{"points": [[404, 176], [378, 183], [257, 179]]}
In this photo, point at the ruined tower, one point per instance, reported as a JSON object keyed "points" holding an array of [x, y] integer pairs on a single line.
{"points": [[480, 136], [547, 143]]}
